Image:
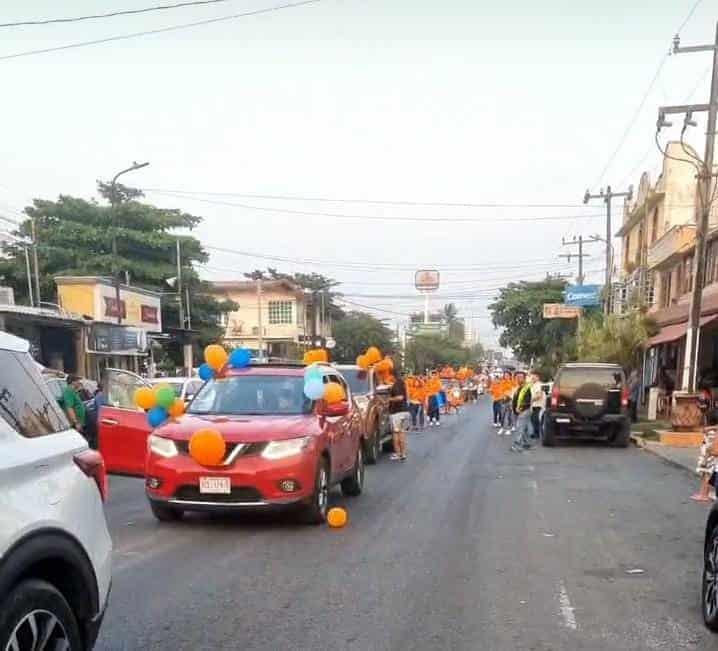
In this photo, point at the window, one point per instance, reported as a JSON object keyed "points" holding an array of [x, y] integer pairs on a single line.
{"points": [[280, 312], [26, 403], [712, 263], [688, 274], [237, 395], [121, 387], [666, 289]]}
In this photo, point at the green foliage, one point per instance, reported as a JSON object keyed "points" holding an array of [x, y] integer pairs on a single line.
{"points": [[432, 351], [455, 326], [519, 312], [617, 339], [356, 332], [75, 238]]}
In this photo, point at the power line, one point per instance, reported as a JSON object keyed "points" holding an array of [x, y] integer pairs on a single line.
{"points": [[642, 103], [313, 213], [161, 30], [124, 12], [381, 202]]}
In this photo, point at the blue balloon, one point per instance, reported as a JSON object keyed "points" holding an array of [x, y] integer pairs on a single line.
{"points": [[313, 373], [206, 372], [239, 358], [314, 389], [157, 415]]}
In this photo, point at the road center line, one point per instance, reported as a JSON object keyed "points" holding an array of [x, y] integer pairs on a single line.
{"points": [[567, 612]]}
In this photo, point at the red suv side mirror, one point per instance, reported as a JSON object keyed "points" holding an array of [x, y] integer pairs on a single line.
{"points": [[335, 409]]}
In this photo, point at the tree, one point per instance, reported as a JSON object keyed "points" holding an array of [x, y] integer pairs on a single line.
{"points": [[356, 332], [455, 326], [75, 238], [433, 351], [618, 339], [519, 311]]}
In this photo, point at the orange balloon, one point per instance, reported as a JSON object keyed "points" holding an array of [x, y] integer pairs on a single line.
{"points": [[215, 356], [333, 393], [373, 355], [207, 447], [337, 517], [363, 362], [316, 356], [177, 408], [145, 398]]}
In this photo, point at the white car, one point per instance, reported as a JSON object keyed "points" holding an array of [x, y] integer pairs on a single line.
{"points": [[184, 387], [55, 550]]}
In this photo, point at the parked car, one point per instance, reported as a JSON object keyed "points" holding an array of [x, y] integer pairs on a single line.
{"points": [[55, 550], [184, 387], [588, 400], [709, 592], [372, 399], [283, 450]]}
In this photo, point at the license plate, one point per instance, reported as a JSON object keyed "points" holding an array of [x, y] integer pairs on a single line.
{"points": [[563, 420], [215, 485]]}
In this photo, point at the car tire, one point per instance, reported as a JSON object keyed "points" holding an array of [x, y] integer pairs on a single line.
{"points": [[373, 448], [34, 609], [165, 513], [548, 433], [315, 512], [622, 436], [352, 486], [709, 591]]}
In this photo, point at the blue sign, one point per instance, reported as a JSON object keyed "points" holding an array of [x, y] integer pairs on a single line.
{"points": [[583, 295]]}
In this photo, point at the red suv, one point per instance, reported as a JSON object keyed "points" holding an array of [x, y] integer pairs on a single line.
{"points": [[282, 448]]}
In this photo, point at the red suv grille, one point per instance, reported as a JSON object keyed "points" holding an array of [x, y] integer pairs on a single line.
{"points": [[251, 449]]}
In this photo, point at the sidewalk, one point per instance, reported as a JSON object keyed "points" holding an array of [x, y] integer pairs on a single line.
{"points": [[683, 458]]}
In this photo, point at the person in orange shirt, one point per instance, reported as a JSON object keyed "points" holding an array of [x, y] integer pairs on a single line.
{"points": [[498, 389], [433, 388], [416, 402]]}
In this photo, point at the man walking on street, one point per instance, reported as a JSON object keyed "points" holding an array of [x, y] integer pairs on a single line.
{"points": [[522, 407], [399, 414]]}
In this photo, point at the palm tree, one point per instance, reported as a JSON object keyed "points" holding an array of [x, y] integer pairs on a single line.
{"points": [[454, 324]]}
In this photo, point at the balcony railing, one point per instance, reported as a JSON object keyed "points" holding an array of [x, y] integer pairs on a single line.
{"points": [[671, 246]]}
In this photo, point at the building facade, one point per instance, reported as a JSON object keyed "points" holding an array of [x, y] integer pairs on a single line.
{"points": [[123, 343], [275, 318]]}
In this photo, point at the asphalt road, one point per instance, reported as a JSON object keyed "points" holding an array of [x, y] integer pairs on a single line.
{"points": [[465, 546]]}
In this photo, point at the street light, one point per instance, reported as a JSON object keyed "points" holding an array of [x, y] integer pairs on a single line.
{"points": [[113, 204]]}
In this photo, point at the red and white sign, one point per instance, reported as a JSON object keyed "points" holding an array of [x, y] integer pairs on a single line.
{"points": [[561, 311], [427, 280]]}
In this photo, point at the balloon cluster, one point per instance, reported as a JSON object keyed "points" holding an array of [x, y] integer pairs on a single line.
{"points": [[383, 366], [216, 359], [316, 356], [316, 389], [160, 403], [464, 373]]}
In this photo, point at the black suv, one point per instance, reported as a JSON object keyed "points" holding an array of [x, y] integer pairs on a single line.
{"points": [[588, 400]]}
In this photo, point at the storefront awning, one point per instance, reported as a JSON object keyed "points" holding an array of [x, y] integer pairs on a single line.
{"points": [[675, 332]]}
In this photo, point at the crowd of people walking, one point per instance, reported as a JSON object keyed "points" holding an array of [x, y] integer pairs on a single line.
{"points": [[518, 399]]}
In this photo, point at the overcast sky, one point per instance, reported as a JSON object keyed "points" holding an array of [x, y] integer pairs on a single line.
{"points": [[457, 101]]}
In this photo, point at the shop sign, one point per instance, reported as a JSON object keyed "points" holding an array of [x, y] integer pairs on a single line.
{"points": [[111, 307], [561, 311], [583, 295]]}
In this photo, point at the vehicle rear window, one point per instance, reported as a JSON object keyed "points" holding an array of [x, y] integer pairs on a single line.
{"points": [[26, 402], [252, 395], [357, 380], [572, 378]]}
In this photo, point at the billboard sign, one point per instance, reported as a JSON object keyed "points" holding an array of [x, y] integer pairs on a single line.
{"points": [[561, 311], [582, 295], [427, 280]]}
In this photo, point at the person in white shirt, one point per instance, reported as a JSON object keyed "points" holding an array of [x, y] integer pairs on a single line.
{"points": [[538, 403]]}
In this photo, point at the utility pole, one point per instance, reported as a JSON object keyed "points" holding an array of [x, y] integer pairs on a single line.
{"points": [[180, 297], [114, 203], [607, 197], [580, 255], [37, 266], [29, 277], [260, 328], [705, 175]]}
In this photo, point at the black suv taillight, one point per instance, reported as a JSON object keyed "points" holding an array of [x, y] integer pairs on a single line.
{"points": [[555, 393], [93, 465]]}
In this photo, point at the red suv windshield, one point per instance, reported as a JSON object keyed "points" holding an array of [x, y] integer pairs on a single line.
{"points": [[252, 395]]}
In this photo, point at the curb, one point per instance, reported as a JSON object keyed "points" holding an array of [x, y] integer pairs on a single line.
{"points": [[639, 442]]}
